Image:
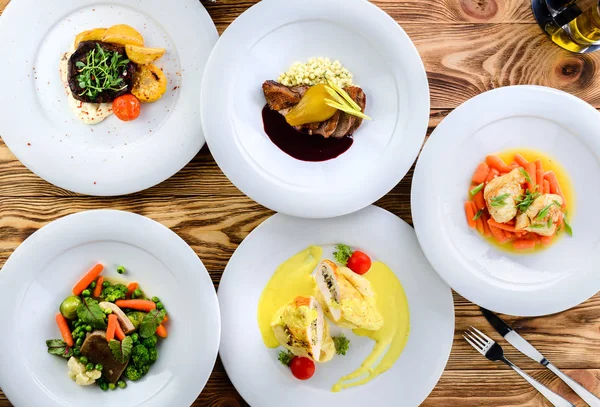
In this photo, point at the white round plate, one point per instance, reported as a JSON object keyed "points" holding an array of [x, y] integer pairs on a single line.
{"points": [[543, 119], [42, 272], [112, 157], [263, 42], [254, 369]]}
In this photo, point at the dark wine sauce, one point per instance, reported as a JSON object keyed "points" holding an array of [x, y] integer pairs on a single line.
{"points": [[302, 146]]}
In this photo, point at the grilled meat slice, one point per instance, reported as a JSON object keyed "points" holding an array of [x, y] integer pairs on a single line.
{"points": [[280, 96], [360, 98], [96, 349], [80, 54]]}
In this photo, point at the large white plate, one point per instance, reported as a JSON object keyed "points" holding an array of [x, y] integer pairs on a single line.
{"points": [[556, 123], [265, 41], [112, 157], [41, 273], [254, 369]]}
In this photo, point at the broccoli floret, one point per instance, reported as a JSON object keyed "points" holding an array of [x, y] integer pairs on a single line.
{"points": [[136, 318], [153, 355], [140, 355], [150, 342], [115, 292], [134, 373]]}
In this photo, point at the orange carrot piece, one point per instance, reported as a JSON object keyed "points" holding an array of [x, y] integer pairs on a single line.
{"points": [[479, 201], [530, 168], [486, 226], [539, 174], [520, 160], [493, 174], [131, 287], [545, 187], [523, 244], [503, 226], [139, 305], [120, 335], [111, 327], [554, 186], [498, 234], [166, 318], [63, 326], [161, 331], [481, 173], [510, 222], [546, 240], [497, 163], [470, 214], [87, 279], [98, 289], [479, 225]]}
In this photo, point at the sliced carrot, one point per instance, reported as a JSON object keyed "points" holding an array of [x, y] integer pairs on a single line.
{"points": [[87, 279], [139, 305], [481, 173], [546, 187], [554, 186], [166, 318], [503, 226], [539, 174], [546, 240], [479, 201], [497, 163], [479, 225], [131, 287], [523, 244], [498, 234], [112, 327], [530, 168], [470, 215], [63, 326], [119, 332], [510, 222], [98, 289], [520, 160], [486, 226], [161, 331], [493, 174]]}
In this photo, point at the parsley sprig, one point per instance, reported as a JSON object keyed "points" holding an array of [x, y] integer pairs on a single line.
{"points": [[101, 71]]}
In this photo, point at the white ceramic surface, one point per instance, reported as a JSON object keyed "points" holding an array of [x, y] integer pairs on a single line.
{"points": [[42, 272], [253, 368], [263, 42], [553, 122], [112, 157]]}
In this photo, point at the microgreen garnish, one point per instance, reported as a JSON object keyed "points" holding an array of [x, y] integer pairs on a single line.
{"points": [[478, 214], [525, 201], [342, 101], [499, 201], [476, 190], [101, 71], [525, 174]]}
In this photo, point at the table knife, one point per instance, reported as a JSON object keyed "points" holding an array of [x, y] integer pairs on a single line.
{"points": [[527, 349]]}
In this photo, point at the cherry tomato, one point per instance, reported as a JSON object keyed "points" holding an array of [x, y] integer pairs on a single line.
{"points": [[302, 368], [126, 107], [359, 262]]}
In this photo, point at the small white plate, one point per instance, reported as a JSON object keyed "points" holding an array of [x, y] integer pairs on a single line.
{"points": [[543, 119], [263, 42], [253, 368], [112, 157], [42, 272]]}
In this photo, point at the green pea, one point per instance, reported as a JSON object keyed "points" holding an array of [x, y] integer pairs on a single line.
{"points": [[138, 292], [112, 386], [89, 367], [79, 341], [135, 337], [99, 366], [86, 293], [93, 284], [76, 351], [104, 386], [81, 334], [121, 384], [76, 330], [83, 360], [155, 299], [105, 284], [107, 311], [121, 270], [88, 328], [159, 305]]}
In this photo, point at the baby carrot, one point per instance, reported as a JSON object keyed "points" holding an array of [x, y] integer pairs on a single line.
{"points": [[481, 173], [486, 226], [64, 329], [493, 174], [119, 332], [539, 174], [531, 183], [523, 244], [503, 226], [520, 160], [479, 201], [87, 279], [470, 215], [111, 327], [139, 305], [554, 186], [497, 163], [98, 289], [161, 331], [498, 234], [546, 240], [546, 187], [479, 225], [131, 287]]}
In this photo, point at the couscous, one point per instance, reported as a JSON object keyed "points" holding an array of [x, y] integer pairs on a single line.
{"points": [[315, 71]]}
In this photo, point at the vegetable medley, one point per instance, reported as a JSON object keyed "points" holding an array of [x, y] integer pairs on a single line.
{"points": [[109, 331]]}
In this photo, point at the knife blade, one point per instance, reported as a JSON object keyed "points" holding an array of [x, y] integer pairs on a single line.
{"points": [[528, 350]]}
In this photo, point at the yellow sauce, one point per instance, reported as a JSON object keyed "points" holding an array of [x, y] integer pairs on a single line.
{"points": [[294, 278], [391, 339], [549, 164]]}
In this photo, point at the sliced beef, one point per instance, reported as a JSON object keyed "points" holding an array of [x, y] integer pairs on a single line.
{"points": [[80, 54], [95, 348]]}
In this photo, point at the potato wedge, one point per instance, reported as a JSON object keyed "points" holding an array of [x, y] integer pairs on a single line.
{"points": [[149, 83], [123, 34], [95, 34], [142, 55]]}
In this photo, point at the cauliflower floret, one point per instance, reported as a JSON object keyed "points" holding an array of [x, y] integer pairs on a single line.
{"points": [[80, 375]]}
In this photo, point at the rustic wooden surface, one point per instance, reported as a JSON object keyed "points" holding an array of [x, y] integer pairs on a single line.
{"points": [[468, 47]]}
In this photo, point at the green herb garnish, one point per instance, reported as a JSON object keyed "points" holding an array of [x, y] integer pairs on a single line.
{"points": [[102, 71], [121, 350], [525, 201], [544, 212], [285, 357], [342, 344], [478, 214], [342, 254], [525, 174], [59, 347], [498, 201], [151, 322], [568, 228], [549, 223], [476, 190], [90, 313], [537, 226]]}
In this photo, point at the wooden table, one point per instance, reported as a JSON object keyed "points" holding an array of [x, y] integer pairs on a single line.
{"points": [[468, 47]]}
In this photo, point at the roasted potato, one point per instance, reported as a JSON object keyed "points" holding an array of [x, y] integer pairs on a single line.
{"points": [[95, 34], [149, 83], [123, 34], [142, 55]]}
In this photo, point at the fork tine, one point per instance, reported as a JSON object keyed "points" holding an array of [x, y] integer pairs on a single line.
{"points": [[476, 339], [487, 338], [473, 345]]}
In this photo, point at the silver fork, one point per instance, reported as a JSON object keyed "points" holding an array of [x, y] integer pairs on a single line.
{"points": [[491, 350]]}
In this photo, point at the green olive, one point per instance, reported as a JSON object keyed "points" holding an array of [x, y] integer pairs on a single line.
{"points": [[68, 308]]}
